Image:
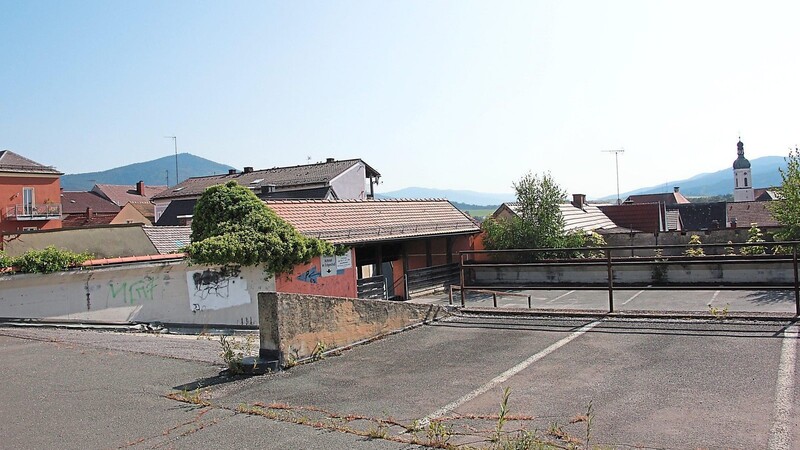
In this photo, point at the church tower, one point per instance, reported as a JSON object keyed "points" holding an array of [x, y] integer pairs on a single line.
{"points": [[743, 180]]}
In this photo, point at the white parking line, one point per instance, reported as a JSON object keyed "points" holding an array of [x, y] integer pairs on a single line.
{"points": [[780, 434], [560, 296], [507, 374], [633, 297], [714, 297]]}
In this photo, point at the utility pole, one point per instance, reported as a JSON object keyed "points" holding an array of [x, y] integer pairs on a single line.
{"points": [[616, 161], [175, 141]]}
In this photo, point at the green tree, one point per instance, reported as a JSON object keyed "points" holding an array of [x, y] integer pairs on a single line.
{"points": [[787, 210], [233, 226], [538, 222]]}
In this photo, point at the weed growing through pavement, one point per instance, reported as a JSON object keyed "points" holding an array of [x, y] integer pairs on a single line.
{"points": [[233, 353], [319, 351], [195, 397], [438, 433], [718, 313]]}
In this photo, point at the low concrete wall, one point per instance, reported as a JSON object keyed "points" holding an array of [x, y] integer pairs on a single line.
{"points": [[149, 292], [101, 241], [683, 271], [293, 324]]}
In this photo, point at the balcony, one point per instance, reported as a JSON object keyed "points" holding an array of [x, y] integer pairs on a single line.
{"points": [[47, 211]]}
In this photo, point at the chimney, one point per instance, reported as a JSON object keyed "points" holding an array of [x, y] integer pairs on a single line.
{"points": [[231, 171], [267, 188], [578, 200], [140, 188], [330, 160], [248, 170], [89, 213], [676, 189], [733, 222]]}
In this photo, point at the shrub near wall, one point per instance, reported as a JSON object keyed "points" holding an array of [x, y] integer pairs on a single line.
{"points": [[47, 260]]}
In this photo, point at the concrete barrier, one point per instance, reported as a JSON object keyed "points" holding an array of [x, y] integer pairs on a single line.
{"points": [[171, 292], [293, 326]]}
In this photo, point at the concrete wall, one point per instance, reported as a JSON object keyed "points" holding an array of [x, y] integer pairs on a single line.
{"points": [[735, 235], [162, 292], [689, 271], [102, 242], [292, 324]]}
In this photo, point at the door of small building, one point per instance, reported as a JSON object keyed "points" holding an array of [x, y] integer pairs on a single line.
{"points": [[388, 275]]}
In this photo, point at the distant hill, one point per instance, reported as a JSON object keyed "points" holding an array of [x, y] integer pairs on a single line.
{"points": [[151, 172], [469, 198], [764, 170]]}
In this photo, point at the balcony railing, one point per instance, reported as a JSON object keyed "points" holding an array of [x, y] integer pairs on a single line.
{"points": [[34, 212]]}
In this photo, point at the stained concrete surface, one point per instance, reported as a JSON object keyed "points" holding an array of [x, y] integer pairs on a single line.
{"points": [[654, 383]]}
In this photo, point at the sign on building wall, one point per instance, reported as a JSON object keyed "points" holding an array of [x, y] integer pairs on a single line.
{"points": [[344, 261], [216, 288]]}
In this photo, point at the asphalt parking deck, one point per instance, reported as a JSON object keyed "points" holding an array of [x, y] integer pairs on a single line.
{"points": [[651, 383]]}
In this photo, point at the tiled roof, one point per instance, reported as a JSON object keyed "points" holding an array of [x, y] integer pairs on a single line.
{"points": [[122, 194], [765, 194], [636, 216], [359, 221], [148, 210], [77, 202], [175, 209], [309, 175], [587, 218], [168, 239], [746, 213], [12, 162], [80, 220], [667, 198], [701, 216]]}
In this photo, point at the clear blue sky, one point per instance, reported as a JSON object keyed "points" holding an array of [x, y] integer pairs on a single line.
{"points": [[445, 94]]}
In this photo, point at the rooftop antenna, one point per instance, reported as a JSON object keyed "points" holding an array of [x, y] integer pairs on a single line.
{"points": [[175, 141], [616, 153]]}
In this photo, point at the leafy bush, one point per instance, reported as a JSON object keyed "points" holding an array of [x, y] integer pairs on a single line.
{"points": [[755, 236], [47, 260], [694, 247], [5, 260], [233, 226]]}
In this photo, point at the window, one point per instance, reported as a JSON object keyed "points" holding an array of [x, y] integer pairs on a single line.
{"points": [[27, 201], [745, 181], [737, 182]]}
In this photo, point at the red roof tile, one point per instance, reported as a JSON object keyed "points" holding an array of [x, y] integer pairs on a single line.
{"points": [[636, 216], [667, 198], [123, 194], [747, 213], [77, 202], [357, 221]]}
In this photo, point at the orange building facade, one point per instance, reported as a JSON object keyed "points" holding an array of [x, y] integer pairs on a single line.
{"points": [[30, 195]]}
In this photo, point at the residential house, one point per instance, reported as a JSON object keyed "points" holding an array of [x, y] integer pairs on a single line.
{"points": [[666, 198], [646, 217], [121, 195], [743, 214], [700, 216], [86, 208], [332, 179], [578, 215], [143, 213], [411, 244], [29, 195]]}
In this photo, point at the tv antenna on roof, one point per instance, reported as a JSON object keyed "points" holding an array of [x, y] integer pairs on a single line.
{"points": [[616, 153]]}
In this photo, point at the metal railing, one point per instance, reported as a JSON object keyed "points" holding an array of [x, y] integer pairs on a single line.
{"points": [[616, 261], [34, 212]]}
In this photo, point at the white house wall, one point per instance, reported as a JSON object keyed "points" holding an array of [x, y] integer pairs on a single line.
{"points": [[351, 184]]}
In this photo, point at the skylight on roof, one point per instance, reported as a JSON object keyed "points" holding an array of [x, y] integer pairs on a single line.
{"points": [[259, 180]]}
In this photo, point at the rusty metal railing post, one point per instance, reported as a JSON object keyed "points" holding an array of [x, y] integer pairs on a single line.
{"points": [[529, 302], [796, 283], [610, 282], [494, 299], [463, 275], [451, 295]]}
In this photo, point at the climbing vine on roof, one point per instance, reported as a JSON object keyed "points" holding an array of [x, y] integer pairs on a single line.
{"points": [[232, 226]]}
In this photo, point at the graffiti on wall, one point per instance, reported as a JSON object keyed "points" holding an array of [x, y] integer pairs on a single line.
{"points": [[133, 291], [310, 276], [217, 288]]}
